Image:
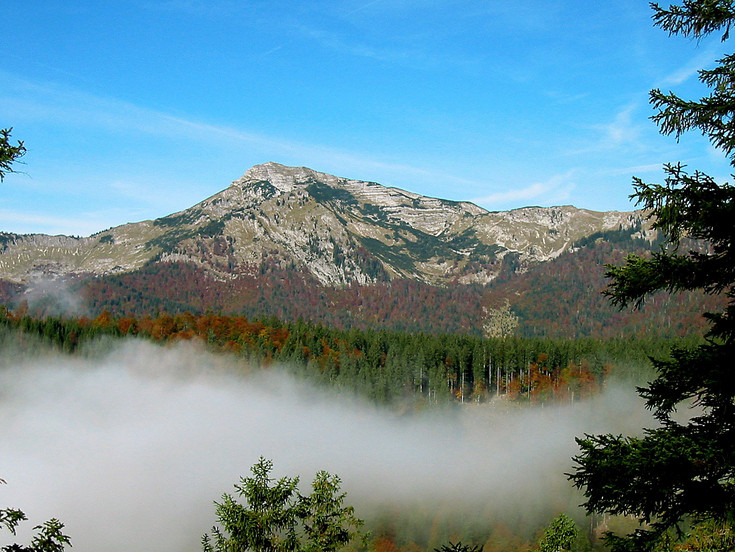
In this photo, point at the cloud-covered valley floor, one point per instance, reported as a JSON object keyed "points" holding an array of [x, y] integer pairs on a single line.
{"points": [[131, 447]]}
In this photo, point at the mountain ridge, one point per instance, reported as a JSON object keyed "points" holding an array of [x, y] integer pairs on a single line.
{"points": [[339, 230]]}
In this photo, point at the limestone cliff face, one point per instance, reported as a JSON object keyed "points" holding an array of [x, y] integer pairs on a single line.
{"points": [[337, 229]]}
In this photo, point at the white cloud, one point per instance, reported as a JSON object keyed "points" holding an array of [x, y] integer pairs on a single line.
{"points": [[622, 133], [201, 8], [690, 69], [69, 106], [91, 117], [553, 191]]}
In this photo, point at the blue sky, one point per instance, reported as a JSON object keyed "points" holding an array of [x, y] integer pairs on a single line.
{"points": [[132, 110]]}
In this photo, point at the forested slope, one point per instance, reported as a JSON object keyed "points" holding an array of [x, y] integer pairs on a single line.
{"points": [[561, 299]]}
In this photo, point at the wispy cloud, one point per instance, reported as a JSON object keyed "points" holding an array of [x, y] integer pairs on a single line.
{"points": [[75, 109], [413, 50], [624, 129], [563, 98], [690, 69], [68, 106], [335, 42], [200, 8], [621, 133], [362, 7], [553, 191]]}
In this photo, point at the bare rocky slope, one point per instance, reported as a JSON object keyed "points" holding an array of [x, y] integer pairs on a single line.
{"points": [[340, 231]]}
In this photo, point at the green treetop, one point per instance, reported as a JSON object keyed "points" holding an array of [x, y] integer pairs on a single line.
{"points": [[277, 518], [8, 152]]}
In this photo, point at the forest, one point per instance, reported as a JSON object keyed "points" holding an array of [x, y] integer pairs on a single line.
{"points": [[408, 374], [387, 367]]}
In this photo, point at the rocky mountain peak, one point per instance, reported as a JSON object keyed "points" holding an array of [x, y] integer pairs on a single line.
{"points": [[284, 178], [339, 230]]}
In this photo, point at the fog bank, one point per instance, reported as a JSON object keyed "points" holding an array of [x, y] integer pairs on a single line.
{"points": [[129, 449]]}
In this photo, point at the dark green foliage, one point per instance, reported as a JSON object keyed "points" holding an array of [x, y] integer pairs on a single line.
{"points": [[167, 242], [277, 518], [560, 536], [9, 153], [458, 547], [411, 245], [388, 254], [625, 237], [695, 18], [386, 366], [328, 525], [374, 212], [468, 239], [190, 216], [265, 188], [48, 538], [6, 238], [64, 334], [211, 229], [694, 206], [324, 193], [173, 238], [679, 471]]}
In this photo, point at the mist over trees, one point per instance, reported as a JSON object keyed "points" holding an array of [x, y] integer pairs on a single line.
{"points": [[48, 536], [386, 367]]}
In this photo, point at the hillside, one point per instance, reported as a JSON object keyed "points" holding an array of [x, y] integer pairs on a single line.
{"points": [[561, 298]]}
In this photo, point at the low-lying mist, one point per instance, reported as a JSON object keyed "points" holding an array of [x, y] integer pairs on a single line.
{"points": [[131, 447]]}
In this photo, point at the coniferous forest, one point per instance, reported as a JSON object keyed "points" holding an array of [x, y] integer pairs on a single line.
{"points": [[387, 367]]}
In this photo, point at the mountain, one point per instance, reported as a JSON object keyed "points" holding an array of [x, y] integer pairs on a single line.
{"points": [[336, 230], [298, 244]]}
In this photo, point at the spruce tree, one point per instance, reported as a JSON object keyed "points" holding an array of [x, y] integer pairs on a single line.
{"points": [[9, 153], [680, 471], [276, 517]]}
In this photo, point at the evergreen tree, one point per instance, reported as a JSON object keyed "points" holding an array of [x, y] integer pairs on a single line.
{"points": [[560, 535], [680, 470], [9, 153], [277, 518], [48, 537], [458, 547]]}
